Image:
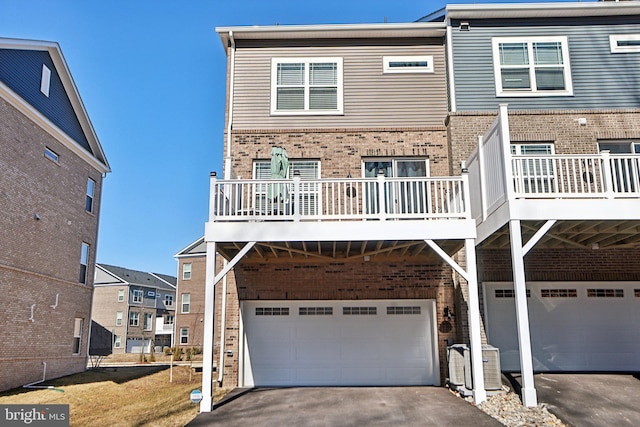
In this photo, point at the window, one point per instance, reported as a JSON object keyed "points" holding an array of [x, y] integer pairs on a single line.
{"points": [[84, 262], [168, 300], [403, 310], [559, 293], [118, 318], [367, 311], [50, 154], [45, 80], [186, 303], [308, 169], [605, 293], [148, 321], [408, 64], [406, 196], [184, 335], [77, 335], [624, 43], [509, 293], [169, 319], [533, 174], [624, 167], [117, 341], [88, 205], [272, 311], [120, 295], [186, 271], [306, 86], [138, 295], [134, 318], [315, 311], [536, 66]]}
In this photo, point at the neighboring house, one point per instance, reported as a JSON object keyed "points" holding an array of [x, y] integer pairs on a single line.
{"points": [[137, 307], [51, 171], [340, 272], [189, 323], [555, 178]]}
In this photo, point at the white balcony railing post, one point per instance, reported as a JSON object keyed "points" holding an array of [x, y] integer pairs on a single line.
{"points": [[465, 197], [382, 196], [607, 172], [213, 196], [297, 199]]}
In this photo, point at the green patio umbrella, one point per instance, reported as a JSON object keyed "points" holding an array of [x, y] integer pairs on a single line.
{"points": [[279, 168]]}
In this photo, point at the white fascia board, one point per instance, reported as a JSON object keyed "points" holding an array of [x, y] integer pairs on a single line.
{"points": [[124, 282], [99, 162], [181, 253], [541, 10]]}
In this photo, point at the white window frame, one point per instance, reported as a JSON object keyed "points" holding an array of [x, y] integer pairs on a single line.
{"points": [[45, 80], [117, 341], [138, 296], [168, 300], [186, 271], [184, 335], [78, 325], [51, 155], [389, 68], [120, 295], [134, 318], [306, 110], [169, 319], [147, 324], [614, 40], [84, 263], [533, 92], [186, 300], [119, 318], [91, 189]]}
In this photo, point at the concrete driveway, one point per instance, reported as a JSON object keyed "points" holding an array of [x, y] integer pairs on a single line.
{"points": [[591, 399], [346, 406]]}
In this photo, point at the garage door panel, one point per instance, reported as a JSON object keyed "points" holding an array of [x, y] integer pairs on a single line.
{"points": [[358, 348], [589, 330]]}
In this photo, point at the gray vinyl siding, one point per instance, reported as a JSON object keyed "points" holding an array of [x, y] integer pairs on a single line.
{"points": [[371, 98], [601, 79], [21, 71]]}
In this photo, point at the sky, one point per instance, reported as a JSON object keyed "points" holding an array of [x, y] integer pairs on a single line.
{"points": [[151, 75]]}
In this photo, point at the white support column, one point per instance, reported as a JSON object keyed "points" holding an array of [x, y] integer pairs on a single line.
{"points": [[207, 347], [529, 395], [479, 393]]}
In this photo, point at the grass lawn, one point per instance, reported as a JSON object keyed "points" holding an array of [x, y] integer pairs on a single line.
{"points": [[124, 396]]}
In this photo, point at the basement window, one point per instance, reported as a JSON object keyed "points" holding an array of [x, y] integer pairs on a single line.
{"points": [[605, 293], [371, 311], [559, 293], [403, 310], [272, 311]]}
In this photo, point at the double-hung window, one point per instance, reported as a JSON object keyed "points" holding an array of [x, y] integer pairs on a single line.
{"points": [[168, 300], [184, 335], [138, 295], [306, 86], [77, 334], [134, 318], [186, 271], [532, 66], [84, 263], [186, 303], [118, 318], [88, 204]]}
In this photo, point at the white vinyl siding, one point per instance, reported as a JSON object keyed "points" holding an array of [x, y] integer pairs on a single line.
{"points": [[306, 86], [624, 43], [535, 66]]}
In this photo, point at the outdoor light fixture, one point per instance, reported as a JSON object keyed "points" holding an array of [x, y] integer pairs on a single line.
{"points": [[448, 313]]}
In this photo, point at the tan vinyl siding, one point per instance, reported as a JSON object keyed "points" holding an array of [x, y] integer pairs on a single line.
{"points": [[371, 98]]}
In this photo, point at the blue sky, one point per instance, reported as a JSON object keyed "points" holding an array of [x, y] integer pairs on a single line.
{"points": [[151, 74]]}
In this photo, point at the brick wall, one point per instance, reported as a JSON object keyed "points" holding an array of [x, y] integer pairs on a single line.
{"points": [[105, 307], [40, 259]]}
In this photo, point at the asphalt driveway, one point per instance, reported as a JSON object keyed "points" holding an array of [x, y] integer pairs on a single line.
{"points": [[346, 406], [591, 399]]}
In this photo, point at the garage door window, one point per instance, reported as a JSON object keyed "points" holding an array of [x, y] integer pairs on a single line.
{"points": [[508, 293], [403, 310], [637, 292], [559, 293], [315, 311], [272, 311], [605, 293], [359, 311]]}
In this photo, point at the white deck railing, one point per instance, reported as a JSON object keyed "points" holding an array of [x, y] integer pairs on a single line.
{"points": [[498, 176], [377, 198]]}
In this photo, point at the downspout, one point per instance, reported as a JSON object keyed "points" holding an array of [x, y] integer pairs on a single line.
{"points": [[44, 376], [452, 85], [227, 176]]}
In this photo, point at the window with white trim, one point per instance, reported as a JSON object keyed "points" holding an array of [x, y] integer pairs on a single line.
{"points": [[532, 66], [148, 321], [138, 295], [120, 295], [77, 335], [186, 271], [118, 318], [407, 64], [168, 300], [84, 263], [624, 43], [169, 319], [117, 341], [184, 335], [306, 86], [88, 204], [308, 169], [186, 303], [134, 318]]}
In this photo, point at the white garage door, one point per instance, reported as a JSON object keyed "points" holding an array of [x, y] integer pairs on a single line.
{"points": [[575, 326], [363, 342]]}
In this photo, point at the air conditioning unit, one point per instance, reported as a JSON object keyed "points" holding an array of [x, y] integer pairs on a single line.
{"points": [[490, 368], [456, 359]]}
